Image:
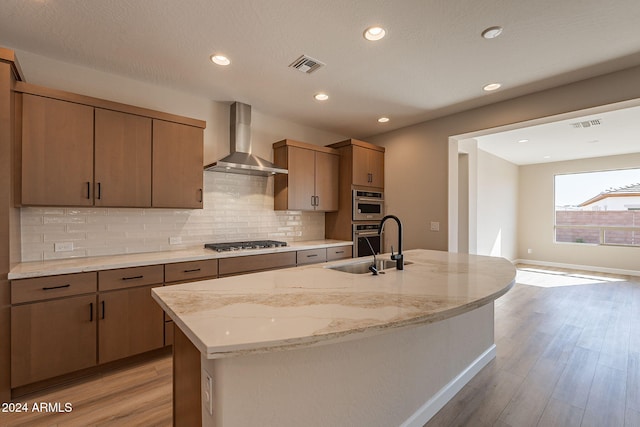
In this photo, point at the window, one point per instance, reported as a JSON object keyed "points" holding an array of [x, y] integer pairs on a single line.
{"points": [[598, 208]]}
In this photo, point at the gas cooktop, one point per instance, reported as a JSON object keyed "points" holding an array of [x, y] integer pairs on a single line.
{"points": [[252, 244]]}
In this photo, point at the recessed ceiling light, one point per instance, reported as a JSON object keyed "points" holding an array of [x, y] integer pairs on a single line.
{"points": [[546, 157], [220, 59], [593, 141], [523, 140], [383, 119], [321, 96], [491, 87], [374, 33], [492, 32]]}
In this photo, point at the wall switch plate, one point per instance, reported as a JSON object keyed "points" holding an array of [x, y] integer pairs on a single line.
{"points": [[63, 247], [207, 391], [175, 240], [435, 226], [529, 251]]}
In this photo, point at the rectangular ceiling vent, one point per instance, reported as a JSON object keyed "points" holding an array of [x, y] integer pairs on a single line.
{"points": [[586, 124], [306, 64]]}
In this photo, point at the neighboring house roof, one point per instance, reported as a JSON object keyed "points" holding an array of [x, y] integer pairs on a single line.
{"points": [[628, 191]]}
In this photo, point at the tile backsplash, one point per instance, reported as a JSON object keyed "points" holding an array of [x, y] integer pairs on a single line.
{"points": [[236, 207]]}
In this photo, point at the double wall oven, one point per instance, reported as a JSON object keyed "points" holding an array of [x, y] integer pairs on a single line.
{"points": [[367, 211]]}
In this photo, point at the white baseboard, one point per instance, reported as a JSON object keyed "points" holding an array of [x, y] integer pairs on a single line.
{"points": [[579, 267], [446, 393]]}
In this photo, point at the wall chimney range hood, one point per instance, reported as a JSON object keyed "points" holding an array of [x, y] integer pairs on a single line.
{"points": [[241, 161]]}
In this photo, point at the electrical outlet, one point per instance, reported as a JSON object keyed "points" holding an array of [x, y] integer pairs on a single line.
{"points": [[435, 226], [175, 240], [529, 251], [63, 247], [207, 391]]}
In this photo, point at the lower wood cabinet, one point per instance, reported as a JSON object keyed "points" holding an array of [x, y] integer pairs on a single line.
{"points": [[129, 322], [52, 338], [66, 323]]}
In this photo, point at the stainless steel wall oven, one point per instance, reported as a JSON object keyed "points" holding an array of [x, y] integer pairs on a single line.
{"points": [[361, 233], [367, 205]]}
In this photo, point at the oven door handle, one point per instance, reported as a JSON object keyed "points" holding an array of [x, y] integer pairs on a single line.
{"points": [[372, 233], [367, 199]]}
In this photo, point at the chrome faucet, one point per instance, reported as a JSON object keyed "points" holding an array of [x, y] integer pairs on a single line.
{"points": [[398, 258]]}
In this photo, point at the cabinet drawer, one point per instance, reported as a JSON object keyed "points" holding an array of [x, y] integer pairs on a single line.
{"points": [[246, 264], [311, 256], [191, 270], [130, 277], [339, 252], [42, 288]]}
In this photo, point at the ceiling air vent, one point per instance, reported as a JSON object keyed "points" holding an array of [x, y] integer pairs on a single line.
{"points": [[306, 64], [586, 124]]}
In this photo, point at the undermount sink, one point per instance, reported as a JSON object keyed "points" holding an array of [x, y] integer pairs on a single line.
{"points": [[362, 266]]}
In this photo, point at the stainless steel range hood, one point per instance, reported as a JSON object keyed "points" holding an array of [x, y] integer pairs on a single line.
{"points": [[241, 160]]}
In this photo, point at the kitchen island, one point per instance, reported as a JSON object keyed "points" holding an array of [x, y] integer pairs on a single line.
{"points": [[317, 346]]}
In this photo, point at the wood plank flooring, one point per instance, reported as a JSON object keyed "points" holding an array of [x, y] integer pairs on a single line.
{"points": [[566, 356], [139, 395]]}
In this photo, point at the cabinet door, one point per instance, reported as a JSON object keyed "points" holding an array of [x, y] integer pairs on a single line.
{"points": [[57, 152], [376, 168], [52, 338], [327, 166], [122, 159], [177, 166], [130, 322], [368, 167], [361, 172], [301, 178]]}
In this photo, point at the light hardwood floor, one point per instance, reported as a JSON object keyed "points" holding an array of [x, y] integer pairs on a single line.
{"points": [[566, 356], [138, 395]]}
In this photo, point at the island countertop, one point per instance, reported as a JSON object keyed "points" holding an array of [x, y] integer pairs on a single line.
{"points": [[313, 305]]}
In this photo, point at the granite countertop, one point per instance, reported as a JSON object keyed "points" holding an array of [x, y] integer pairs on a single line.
{"points": [[78, 265], [314, 305]]}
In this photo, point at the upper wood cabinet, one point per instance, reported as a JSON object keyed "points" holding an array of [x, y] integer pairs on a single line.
{"points": [[362, 164], [122, 159], [368, 167], [177, 165], [142, 158], [312, 181], [57, 152]]}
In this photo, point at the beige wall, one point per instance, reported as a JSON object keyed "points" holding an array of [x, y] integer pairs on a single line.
{"points": [[497, 207], [536, 217], [417, 170]]}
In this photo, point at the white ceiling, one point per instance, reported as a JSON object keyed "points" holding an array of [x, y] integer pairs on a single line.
{"points": [[594, 135], [433, 61]]}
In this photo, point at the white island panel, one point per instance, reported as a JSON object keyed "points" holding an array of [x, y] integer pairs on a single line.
{"points": [[393, 379]]}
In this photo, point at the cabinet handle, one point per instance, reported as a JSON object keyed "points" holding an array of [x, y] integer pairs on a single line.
{"points": [[132, 278], [88, 190], [90, 312], [201, 195], [191, 271], [312, 255], [339, 252], [313, 200], [317, 200], [56, 287], [102, 304], [99, 195]]}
